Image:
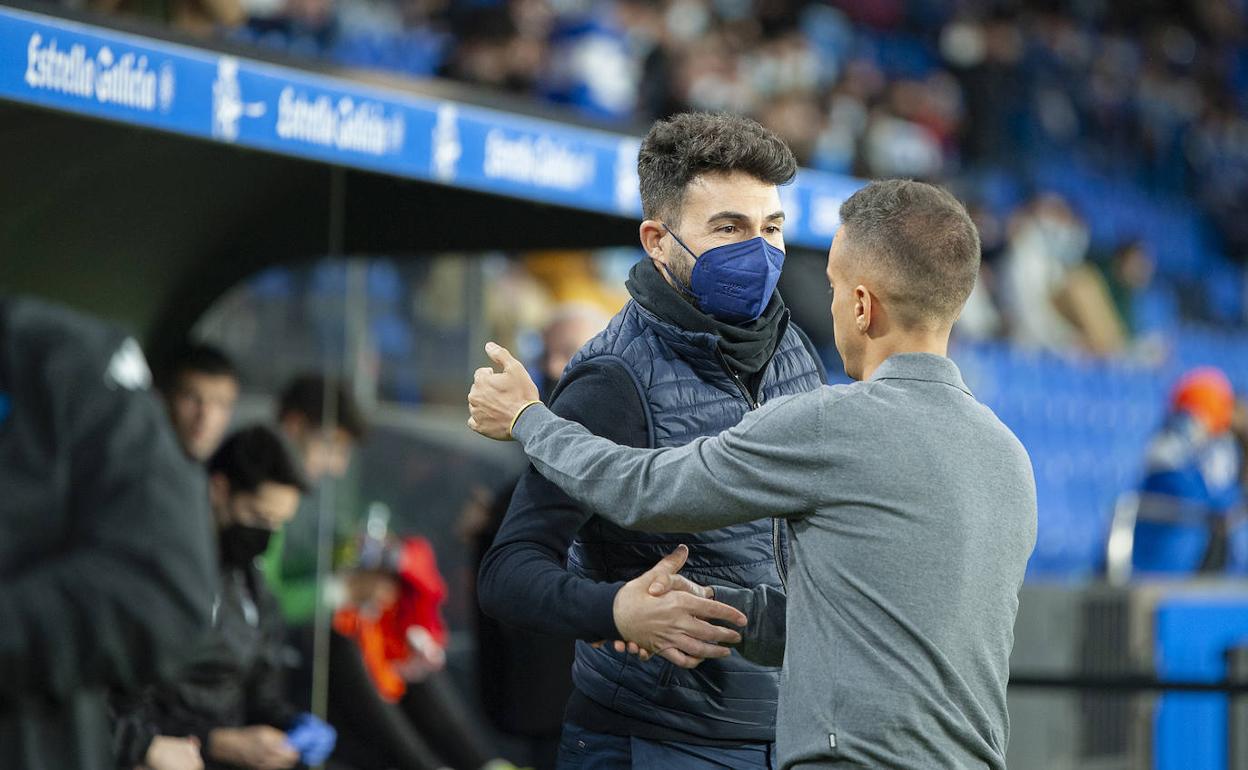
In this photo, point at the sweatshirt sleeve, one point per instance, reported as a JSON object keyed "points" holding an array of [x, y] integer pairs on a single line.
{"points": [[765, 466], [764, 606], [524, 580], [121, 600]]}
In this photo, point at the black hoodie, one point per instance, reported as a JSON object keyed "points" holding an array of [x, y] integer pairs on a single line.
{"points": [[105, 550]]}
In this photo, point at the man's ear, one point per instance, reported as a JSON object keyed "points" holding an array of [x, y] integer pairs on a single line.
{"points": [[652, 233], [863, 308]]}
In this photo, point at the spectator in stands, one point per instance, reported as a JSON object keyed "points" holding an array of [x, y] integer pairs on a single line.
{"points": [[201, 18], [105, 553], [231, 697], [1192, 480], [1127, 275], [307, 28], [1055, 299], [200, 387]]}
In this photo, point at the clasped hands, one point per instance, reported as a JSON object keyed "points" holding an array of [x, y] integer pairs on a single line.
{"points": [[664, 613]]}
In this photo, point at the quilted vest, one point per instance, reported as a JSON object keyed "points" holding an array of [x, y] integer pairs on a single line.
{"points": [[688, 391]]}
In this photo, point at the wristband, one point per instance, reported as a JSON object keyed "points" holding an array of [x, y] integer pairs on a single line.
{"points": [[516, 419]]}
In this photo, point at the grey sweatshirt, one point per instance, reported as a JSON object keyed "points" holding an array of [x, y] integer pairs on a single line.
{"points": [[912, 511]]}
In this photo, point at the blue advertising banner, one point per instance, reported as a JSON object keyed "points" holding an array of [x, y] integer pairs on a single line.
{"points": [[98, 72]]}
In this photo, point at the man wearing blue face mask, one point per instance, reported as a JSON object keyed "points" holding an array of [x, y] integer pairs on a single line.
{"points": [[705, 340]]}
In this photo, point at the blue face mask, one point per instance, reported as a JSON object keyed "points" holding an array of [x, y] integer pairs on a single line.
{"points": [[733, 282]]}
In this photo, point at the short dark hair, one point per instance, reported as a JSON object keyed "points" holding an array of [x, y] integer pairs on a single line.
{"points": [[680, 148], [923, 242], [196, 358], [253, 456], [306, 395]]}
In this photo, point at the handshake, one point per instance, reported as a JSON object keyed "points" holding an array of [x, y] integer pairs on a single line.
{"points": [[664, 613]]}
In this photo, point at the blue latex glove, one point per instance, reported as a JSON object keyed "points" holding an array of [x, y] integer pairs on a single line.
{"points": [[312, 738]]}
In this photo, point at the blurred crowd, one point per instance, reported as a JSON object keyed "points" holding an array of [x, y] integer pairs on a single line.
{"points": [[1019, 105]]}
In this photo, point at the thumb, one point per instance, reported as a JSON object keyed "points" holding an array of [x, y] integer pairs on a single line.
{"points": [[669, 565], [500, 355]]}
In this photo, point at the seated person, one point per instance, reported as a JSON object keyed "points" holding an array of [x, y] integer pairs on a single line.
{"points": [[200, 389], [1191, 482], [228, 704]]}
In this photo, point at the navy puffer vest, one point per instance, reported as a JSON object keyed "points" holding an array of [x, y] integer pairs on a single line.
{"points": [[688, 392]]}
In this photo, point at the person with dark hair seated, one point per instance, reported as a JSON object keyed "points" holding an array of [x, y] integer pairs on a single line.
{"points": [[200, 388], [230, 698]]}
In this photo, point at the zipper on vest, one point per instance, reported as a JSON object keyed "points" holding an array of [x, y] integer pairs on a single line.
{"points": [[749, 397]]}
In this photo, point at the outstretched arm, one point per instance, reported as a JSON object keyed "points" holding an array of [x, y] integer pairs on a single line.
{"points": [[765, 466]]}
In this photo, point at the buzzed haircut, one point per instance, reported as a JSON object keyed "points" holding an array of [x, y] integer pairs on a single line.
{"points": [[255, 455], [678, 149], [195, 358], [920, 241], [309, 396]]}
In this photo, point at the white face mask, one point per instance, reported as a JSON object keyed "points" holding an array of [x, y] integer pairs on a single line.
{"points": [[1067, 242]]}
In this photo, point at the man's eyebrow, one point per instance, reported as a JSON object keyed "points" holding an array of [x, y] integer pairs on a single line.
{"points": [[737, 215]]}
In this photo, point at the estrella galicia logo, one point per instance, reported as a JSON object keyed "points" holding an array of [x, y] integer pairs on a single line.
{"points": [[228, 106], [446, 145]]}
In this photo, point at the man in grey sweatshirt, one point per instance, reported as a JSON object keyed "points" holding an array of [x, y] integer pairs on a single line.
{"points": [[912, 508]]}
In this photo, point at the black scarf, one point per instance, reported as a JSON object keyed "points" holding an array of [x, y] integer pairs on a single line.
{"points": [[747, 347]]}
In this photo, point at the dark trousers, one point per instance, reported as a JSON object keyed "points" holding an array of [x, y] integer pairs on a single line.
{"points": [[429, 728], [582, 749]]}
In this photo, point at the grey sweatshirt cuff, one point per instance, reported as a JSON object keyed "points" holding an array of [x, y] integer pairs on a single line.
{"points": [[762, 639], [531, 418]]}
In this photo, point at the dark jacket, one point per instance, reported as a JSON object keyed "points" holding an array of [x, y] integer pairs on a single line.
{"points": [[524, 677], [689, 393], [105, 549], [646, 382], [234, 677]]}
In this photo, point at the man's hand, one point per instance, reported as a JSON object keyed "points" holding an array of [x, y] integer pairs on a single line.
{"points": [[674, 623], [426, 656], [660, 586], [168, 753], [256, 748], [497, 398]]}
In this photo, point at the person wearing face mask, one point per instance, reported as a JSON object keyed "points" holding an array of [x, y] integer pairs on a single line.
{"points": [[1056, 299], [524, 677], [705, 339], [912, 508], [230, 699]]}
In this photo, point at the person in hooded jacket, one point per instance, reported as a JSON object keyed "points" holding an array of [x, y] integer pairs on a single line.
{"points": [[106, 567]]}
